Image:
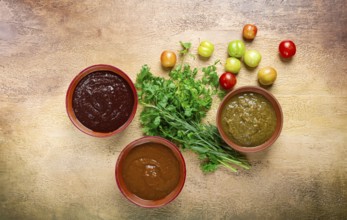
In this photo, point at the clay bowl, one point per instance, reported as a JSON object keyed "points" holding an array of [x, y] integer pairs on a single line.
{"points": [[276, 106], [70, 93], [134, 198]]}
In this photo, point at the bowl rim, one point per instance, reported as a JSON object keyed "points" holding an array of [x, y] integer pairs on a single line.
{"points": [[276, 106], [137, 200], [71, 89]]}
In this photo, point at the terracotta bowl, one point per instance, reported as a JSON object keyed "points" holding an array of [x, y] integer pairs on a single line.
{"points": [[275, 105], [137, 200], [71, 89]]}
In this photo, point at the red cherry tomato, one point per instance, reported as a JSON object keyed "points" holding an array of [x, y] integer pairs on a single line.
{"points": [[287, 48], [227, 80]]}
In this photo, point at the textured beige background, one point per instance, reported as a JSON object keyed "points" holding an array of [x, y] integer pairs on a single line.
{"points": [[50, 170]]}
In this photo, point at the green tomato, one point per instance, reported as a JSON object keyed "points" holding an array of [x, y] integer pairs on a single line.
{"points": [[252, 58], [232, 65], [236, 48], [205, 49]]}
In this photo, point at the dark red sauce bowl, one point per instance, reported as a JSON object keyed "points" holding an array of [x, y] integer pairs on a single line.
{"points": [[71, 90]]}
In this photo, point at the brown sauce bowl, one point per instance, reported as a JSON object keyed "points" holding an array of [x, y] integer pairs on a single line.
{"points": [[276, 106], [70, 93], [134, 198]]}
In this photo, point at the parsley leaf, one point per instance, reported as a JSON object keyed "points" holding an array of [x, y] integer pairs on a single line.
{"points": [[185, 48]]}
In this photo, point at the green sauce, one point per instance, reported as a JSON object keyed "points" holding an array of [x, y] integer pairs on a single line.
{"points": [[248, 119]]}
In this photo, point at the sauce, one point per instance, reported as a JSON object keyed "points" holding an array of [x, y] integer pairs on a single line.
{"points": [[151, 171], [248, 119], [103, 101]]}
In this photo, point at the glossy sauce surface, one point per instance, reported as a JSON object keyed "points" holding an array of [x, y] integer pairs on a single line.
{"points": [[151, 171], [103, 101]]}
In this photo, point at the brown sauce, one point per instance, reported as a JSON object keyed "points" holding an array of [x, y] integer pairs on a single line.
{"points": [[103, 101], [151, 171]]}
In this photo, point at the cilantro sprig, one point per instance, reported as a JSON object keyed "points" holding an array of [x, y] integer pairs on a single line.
{"points": [[185, 50], [174, 109]]}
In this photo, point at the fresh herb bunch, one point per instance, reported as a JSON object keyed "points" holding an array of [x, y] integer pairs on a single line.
{"points": [[174, 108]]}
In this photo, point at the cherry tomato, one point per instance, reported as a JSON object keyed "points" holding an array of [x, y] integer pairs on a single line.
{"points": [[236, 48], [233, 65], [205, 49], [267, 75], [227, 80], [168, 59], [287, 48], [249, 31], [252, 58]]}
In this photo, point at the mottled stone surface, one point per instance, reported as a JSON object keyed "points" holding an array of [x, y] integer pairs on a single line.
{"points": [[50, 170]]}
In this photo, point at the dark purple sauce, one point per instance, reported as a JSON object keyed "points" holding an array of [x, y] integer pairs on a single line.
{"points": [[103, 101]]}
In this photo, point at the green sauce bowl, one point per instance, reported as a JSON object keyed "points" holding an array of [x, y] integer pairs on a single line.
{"points": [[237, 144]]}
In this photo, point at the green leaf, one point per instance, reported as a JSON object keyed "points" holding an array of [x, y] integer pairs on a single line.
{"points": [[188, 112], [200, 150], [186, 46], [163, 101], [156, 121], [209, 167]]}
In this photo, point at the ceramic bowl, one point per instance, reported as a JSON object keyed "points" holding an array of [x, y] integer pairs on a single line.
{"points": [[70, 93], [276, 106], [134, 198]]}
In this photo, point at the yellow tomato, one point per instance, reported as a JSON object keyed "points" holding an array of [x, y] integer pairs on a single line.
{"points": [[168, 59], [267, 75]]}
